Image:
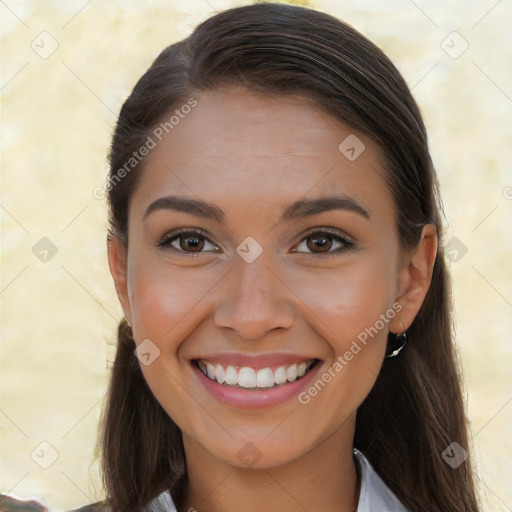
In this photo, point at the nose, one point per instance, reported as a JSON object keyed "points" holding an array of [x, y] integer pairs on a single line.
{"points": [[254, 300]]}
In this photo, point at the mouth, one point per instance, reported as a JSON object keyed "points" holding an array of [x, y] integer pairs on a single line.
{"points": [[247, 377]]}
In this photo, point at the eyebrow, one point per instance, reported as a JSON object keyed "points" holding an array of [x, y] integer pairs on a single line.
{"points": [[296, 210]]}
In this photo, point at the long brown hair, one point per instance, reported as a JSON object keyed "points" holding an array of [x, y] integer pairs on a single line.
{"points": [[416, 409]]}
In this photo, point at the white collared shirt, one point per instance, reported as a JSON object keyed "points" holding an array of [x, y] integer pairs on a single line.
{"points": [[374, 495]]}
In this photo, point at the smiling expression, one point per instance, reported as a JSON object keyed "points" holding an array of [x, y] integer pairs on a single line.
{"points": [[257, 253]]}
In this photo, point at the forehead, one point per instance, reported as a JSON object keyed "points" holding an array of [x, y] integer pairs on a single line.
{"points": [[236, 144]]}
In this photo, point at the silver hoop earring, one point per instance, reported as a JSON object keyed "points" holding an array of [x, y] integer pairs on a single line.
{"points": [[397, 345]]}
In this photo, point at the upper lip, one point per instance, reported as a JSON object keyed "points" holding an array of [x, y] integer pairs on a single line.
{"points": [[256, 361]]}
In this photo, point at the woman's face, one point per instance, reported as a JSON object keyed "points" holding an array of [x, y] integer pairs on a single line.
{"points": [[292, 265]]}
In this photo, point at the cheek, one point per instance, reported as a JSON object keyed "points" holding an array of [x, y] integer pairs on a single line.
{"points": [[164, 303], [162, 296], [355, 305], [350, 300]]}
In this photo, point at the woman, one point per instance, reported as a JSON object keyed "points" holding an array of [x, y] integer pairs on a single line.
{"points": [[275, 243]]}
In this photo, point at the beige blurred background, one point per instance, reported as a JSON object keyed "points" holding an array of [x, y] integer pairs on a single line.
{"points": [[59, 106]]}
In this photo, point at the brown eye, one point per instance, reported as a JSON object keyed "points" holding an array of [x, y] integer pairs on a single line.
{"points": [[187, 242], [191, 243], [323, 243]]}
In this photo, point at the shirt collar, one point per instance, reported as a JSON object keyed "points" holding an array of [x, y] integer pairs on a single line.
{"points": [[374, 495]]}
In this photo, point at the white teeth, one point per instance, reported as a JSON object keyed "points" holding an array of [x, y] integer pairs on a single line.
{"points": [[219, 374], [291, 373], [265, 378], [247, 377], [210, 371], [231, 376], [280, 375]]}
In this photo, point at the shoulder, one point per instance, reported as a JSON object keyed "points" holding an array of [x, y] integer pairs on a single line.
{"points": [[12, 504], [162, 503]]}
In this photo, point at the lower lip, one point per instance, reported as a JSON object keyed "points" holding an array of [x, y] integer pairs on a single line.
{"points": [[255, 398]]}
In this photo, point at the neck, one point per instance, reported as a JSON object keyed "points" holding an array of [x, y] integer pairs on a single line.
{"points": [[324, 479]]}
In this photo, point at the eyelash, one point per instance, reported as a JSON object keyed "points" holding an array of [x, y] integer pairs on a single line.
{"points": [[347, 244]]}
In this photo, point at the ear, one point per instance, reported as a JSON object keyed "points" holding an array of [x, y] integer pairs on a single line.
{"points": [[414, 278], [117, 258]]}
